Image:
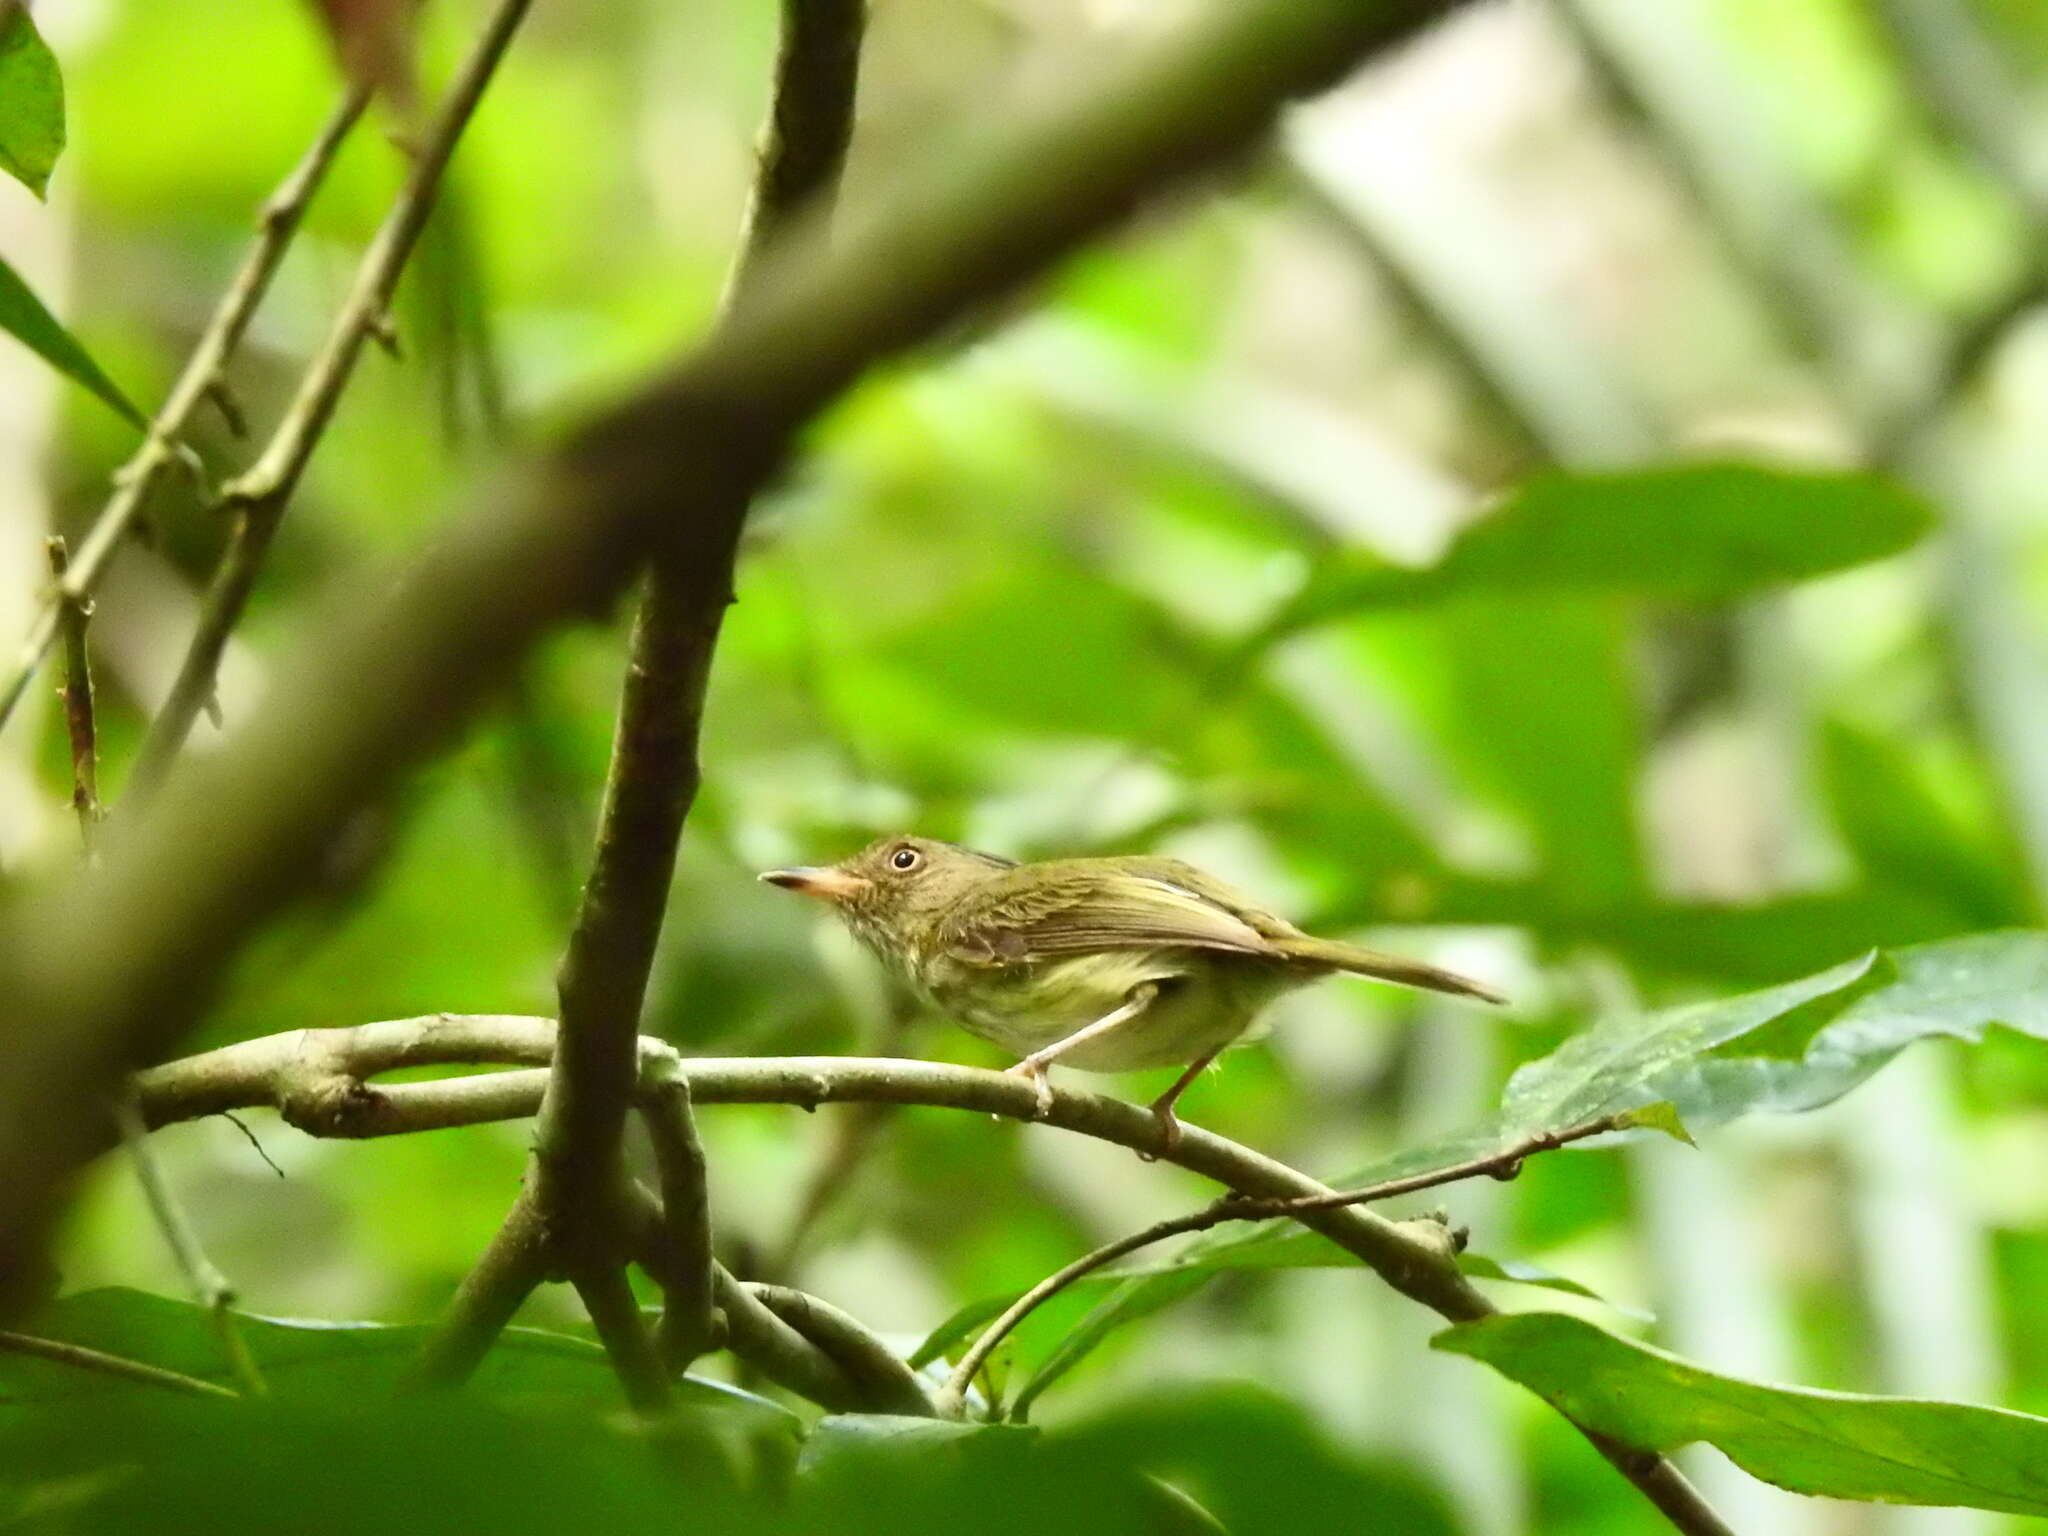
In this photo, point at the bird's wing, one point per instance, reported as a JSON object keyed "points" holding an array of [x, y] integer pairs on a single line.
{"points": [[1077, 906]]}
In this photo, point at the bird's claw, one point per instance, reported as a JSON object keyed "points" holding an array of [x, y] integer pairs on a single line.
{"points": [[1033, 1072], [1169, 1133]]}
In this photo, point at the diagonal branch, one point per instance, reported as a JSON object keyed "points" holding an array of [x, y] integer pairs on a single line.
{"points": [[119, 1366], [258, 498], [654, 774], [1505, 1163], [204, 378], [208, 1285]]}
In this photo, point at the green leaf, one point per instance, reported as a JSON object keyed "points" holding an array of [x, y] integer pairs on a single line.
{"points": [[23, 316], [1660, 1116], [1261, 1463], [1520, 1272], [1545, 704], [1682, 533], [1781, 1050], [31, 102], [1134, 1298], [1901, 831], [1836, 1445], [527, 1364]]}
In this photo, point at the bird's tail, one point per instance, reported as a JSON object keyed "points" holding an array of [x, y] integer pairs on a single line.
{"points": [[1384, 967]]}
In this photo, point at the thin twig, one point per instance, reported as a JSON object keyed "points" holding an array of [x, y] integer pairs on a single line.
{"points": [[79, 723], [204, 378], [258, 497], [110, 1365], [208, 1285], [1235, 1207]]}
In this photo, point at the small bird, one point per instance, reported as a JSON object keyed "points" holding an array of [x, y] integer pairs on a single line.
{"points": [[1105, 964]]}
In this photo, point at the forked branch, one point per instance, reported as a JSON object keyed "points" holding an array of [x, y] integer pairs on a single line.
{"points": [[1234, 1207], [258, 498]]}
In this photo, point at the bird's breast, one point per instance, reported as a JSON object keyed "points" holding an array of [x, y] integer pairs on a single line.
{"points": [[1200, 1006]]}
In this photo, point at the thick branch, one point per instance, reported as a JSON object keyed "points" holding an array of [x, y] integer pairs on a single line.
{"points": [[328, 1068], [654, 775], [258, 498], [609, 1300], [204, 377], [489, 1295]]}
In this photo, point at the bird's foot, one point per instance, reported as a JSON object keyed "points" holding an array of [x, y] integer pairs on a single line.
{"points": [[1169, 1130], [1033, 1071]]}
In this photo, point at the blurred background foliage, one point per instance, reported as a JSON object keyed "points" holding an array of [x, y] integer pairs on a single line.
{"points": [[1112, 574]]}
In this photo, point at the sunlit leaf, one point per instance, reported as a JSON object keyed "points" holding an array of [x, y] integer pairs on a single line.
{"points": [[1660, 1116], [1837, 1445], [23, 316], [31, 102]]}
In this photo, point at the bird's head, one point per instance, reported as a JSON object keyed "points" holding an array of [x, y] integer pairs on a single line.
{"points": [[896, 891]]}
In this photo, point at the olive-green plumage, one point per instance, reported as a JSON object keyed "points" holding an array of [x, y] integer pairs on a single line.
{"points": [[1170, 964]]}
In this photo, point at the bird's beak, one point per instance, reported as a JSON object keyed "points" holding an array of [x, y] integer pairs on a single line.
{"points": [[825, 882]]}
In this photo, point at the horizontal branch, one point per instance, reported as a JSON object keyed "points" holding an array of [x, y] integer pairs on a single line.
{"points": [[318, 1080], [1415, 1258]]}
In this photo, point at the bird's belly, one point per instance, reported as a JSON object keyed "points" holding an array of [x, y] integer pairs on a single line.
{"points": [[1200, 1006]]}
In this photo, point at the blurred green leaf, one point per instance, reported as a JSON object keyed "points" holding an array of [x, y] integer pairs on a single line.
{"points": [[31, 102], [1263, 1465], [1545, 707], [333, 1462], [1684, 533], [879, 1476], [1901, 832], [527, 1365], [1829, 1444], [23, 316], [1131, 1300]]}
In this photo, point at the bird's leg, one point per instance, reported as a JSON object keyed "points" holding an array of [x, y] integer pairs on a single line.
{"points": [[1162, 1107], [1032, 1067]]}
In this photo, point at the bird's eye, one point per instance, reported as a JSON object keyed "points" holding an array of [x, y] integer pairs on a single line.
{"points": [[905, 859]]}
